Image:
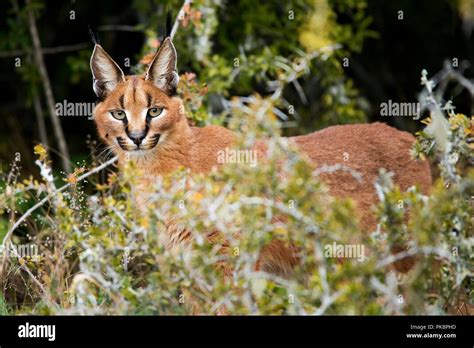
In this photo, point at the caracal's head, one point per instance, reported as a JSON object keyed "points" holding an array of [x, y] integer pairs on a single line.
{"points": [[135, 114]]}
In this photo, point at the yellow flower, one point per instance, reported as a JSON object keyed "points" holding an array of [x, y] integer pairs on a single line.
{"points": [[316, 33], [40, 151], [198, 197]]}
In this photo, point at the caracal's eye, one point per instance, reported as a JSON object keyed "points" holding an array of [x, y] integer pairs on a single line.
{"points": [[118, 114], [155, 112]]}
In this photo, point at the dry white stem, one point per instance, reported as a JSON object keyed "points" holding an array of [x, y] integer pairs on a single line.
{"points": [[180, 16], [414, 251], [327, 301]]}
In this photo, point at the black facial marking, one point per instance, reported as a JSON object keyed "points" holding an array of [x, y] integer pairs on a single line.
{"points": [[122, 143], [121, 102], [154, 140], [148, 99]]}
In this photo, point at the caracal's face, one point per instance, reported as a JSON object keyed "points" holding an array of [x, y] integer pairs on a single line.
{"points": [[136, 116], [136, 113]]}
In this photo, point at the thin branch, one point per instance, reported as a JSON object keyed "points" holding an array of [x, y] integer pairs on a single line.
{"points": [[114, 27], [327, 301], [413, 252], [335, 167], [300, 91], [58, 131], [47, 50], [40, 118], [253, 200], [179, 17]]}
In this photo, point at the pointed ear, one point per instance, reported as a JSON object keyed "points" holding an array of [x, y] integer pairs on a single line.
{"points": [[106, 73], [162, 70]]}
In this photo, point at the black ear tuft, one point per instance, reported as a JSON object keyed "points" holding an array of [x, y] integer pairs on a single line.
{"points": [[169, 24], [94, 37]]}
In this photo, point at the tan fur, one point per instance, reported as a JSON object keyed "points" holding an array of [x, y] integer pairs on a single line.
{"points": [[364, 148], [367, 148]]}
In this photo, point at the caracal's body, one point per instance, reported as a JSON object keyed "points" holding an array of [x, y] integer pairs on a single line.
{"points": [[143, 120]]}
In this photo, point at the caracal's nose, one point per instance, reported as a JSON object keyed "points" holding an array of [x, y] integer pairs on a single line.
{"points": [[137, 137]]}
